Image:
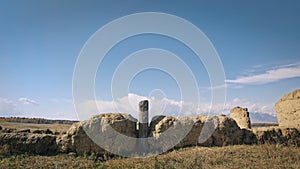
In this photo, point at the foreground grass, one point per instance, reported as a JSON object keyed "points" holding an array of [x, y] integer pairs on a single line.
{"points": [[242, 156]]}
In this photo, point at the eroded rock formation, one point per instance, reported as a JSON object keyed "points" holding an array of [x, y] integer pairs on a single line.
{"points": [[277, 135], [202, 130], [16, 142], [288, 110], [108, 130], [241, 116]]}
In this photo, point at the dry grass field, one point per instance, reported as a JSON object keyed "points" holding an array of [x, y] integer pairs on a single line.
{"points": [[32, 126], [242, 156]]}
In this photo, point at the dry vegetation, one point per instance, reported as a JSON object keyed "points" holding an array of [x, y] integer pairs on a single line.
{"points": [[23, 126], [242, 156]]}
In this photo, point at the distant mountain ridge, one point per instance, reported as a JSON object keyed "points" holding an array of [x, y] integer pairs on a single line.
{"points": [[262, 118]]}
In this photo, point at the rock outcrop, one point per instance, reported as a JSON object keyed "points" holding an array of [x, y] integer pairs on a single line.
{"points": [[241, 116], [16, 142], [288, 110], [99, 133], [202, 130], [277, 135]]}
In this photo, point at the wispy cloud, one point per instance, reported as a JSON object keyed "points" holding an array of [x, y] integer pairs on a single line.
{"points": [[61, 100], [25, 100], [269, 76]]}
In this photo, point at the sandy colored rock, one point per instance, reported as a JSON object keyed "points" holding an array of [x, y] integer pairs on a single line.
{"points": [[24, 142], [101, 132], [241, 116], [288, 110], [200, 130], [278, 135], [228, 132]]}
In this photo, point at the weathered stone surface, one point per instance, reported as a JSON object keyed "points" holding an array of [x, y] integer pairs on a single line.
{"points": [[227, 132], [288, 110], [106, 130], [154, 121], [169, 131], [201, 130], [278, 135], [47, 131], [24, 142], [241, 116]]}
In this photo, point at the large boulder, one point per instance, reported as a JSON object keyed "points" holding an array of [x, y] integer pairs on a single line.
{"points": [[241, 116], [288, 110], [102, 134]]}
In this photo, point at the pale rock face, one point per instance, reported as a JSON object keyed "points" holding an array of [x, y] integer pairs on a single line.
{"points": [[201, 130], [288, 110], [241, 116], [101, 132], [20, 142]]}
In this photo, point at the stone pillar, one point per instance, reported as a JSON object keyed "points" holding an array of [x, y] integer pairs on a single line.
{"points": [[143, 128], [241, 116], [143, 119]]}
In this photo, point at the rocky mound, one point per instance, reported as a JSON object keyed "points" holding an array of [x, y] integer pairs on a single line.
{"points": [[205, 131], [103, 129], [16, 142], [277, 135], [288, 110]]}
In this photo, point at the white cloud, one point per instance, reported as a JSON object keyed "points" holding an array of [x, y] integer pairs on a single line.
{"points": [[25, 100], [273, 75], [129, 104], [165, 106], [266, 108], [8, 107]]}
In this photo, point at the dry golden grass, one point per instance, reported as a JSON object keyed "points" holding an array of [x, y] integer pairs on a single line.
{"points": [[22, 126], [242, 156]]}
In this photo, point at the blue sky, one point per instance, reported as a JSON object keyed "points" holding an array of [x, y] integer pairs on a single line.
{"points": [[258, 43]]}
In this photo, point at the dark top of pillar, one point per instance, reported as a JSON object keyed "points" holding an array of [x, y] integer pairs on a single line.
{"points": [[143, 105]]}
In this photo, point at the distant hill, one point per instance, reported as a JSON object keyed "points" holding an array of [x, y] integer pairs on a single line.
{"points": [[35, 120], [262, 118]]}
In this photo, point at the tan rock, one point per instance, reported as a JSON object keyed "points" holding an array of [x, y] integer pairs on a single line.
{"points": [[102, 134], [241, 116], [288, 110], [24, 142], [200, 130], [278, 135]]}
